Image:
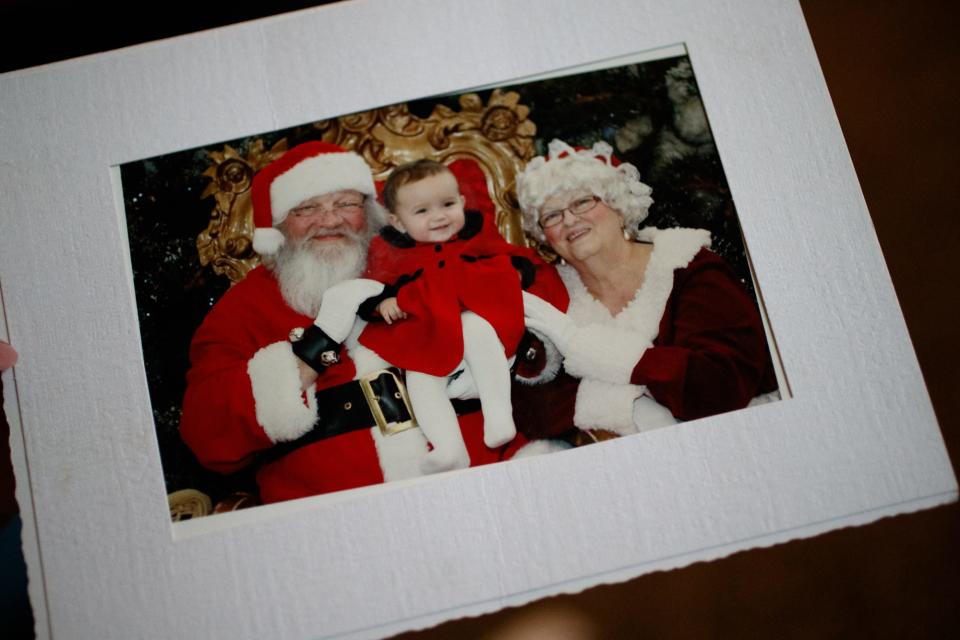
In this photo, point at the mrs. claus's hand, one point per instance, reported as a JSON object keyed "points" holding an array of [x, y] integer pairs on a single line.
{"points": [[546, 319], [592, 351]]}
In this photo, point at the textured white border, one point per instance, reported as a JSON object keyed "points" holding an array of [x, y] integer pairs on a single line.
{"points": [[857, 441], [23, 492]]}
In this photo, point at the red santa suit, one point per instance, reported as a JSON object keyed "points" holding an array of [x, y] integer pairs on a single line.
{"points": [[692, 340], [435, 282], [243, 396]]}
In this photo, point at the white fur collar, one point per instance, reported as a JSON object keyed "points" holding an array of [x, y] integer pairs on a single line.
{"points": [[672, 249], [623, 408]]}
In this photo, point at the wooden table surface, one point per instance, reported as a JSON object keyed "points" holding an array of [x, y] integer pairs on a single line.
{"points": [[892, 69]]}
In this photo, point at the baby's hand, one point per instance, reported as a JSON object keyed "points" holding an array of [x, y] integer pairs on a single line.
{"points": [[390, 311]]}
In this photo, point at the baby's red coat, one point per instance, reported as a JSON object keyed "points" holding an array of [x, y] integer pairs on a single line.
{"points": [[473, 273]]}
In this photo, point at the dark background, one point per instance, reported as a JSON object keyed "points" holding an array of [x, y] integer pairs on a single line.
{"points": [[891, 67]]}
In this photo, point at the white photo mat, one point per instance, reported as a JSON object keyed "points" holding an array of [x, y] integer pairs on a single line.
{"points": [[199, 526], [857, 441]]}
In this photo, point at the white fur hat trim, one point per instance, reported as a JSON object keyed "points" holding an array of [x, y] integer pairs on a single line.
{"points": [[316, 176]]}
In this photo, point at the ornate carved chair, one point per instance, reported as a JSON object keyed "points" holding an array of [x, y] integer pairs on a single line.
{"points": [[496, 135]]}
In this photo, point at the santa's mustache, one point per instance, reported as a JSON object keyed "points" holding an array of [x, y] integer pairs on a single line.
{"points": [[342, 230]]}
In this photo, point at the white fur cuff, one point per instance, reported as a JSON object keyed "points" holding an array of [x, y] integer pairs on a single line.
{"points": [[605, 353], [278, 399], [601, 405]]}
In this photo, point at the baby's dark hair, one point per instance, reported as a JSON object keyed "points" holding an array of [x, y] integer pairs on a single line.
{"points": [[406, 174]]}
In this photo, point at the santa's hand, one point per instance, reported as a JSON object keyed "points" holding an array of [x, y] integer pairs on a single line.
{"points": [[338, 310], [594, 351]]}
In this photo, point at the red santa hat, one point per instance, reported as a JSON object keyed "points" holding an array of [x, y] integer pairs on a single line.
{"points": [[307, 170], [593, 170]]}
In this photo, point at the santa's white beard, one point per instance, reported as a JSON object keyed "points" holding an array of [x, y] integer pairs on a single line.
{"points": [[306, 269]]}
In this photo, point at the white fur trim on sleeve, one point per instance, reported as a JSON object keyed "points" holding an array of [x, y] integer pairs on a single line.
{"points": [[605, 352], [278, 399], [602, 405]]}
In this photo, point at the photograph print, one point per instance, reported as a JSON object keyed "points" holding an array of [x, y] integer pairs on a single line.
{"points": [[441, 284]]}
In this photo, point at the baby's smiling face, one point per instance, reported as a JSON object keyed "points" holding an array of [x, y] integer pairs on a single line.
{"points": [[431, 209]]}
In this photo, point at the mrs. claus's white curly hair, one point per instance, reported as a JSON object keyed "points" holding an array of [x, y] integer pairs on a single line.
{"points": [[567, 169]]}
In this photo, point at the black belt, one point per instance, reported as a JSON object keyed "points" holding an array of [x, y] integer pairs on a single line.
{"points": [[376, 400]]}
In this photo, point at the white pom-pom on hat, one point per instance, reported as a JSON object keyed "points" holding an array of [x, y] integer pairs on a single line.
{"points": [[267, 242]]}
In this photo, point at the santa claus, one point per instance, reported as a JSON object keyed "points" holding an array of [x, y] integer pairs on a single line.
{"points": [[272, 383]]}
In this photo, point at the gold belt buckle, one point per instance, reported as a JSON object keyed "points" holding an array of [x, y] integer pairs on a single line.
{"points": [[373, 401]]}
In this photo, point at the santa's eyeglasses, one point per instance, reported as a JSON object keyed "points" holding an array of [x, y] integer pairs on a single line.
{"points": [[340, 207]]}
